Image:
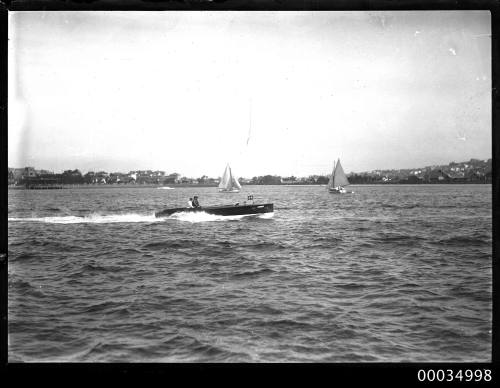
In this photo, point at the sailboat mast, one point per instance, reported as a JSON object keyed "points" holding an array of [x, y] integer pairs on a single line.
{"points": [[333, 174]]}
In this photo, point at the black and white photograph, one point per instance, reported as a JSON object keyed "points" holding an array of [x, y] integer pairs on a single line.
{"points": [[250, 186]]}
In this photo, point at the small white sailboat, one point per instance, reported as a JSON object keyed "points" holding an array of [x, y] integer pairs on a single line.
{"points": [[229, 183], [338, 180]]}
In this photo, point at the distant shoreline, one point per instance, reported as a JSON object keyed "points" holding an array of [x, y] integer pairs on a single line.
{"points": [[184, 185], [110, 186]]}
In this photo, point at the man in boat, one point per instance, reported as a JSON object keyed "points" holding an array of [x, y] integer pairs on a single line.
{"points": [[195, 201], [190, 202]]}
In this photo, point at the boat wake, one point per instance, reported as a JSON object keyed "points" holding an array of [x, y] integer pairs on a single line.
{"points": [[204, 217], [92, 219], [165, 188], [133, 217]]}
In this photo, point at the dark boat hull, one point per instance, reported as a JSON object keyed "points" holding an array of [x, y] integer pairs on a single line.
{"points": [[231, 210], [335, 191]]}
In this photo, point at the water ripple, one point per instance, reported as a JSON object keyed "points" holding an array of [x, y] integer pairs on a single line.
{"points": [[390, 274]]}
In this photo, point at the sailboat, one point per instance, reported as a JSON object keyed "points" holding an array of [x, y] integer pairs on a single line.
{"points": [[338, 180], [229, 183]]}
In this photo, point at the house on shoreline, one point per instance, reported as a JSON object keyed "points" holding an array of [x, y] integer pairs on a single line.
{"points": [[473, 171]]}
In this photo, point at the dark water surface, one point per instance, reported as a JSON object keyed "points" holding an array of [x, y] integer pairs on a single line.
{"points": [[391, 273]]}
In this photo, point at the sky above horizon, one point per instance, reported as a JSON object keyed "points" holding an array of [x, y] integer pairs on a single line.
{"points": [[282, 93]]}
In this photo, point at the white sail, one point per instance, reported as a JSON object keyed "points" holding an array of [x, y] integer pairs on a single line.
{"points": [[330, 181], [339, 176], [228, 181], [236, 183], [225, 178]]}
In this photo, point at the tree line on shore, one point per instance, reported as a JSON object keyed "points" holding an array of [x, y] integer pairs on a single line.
{"points": [[473, 171]]}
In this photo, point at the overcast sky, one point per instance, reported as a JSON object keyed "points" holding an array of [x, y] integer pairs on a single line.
{"points": [[269, 92]]}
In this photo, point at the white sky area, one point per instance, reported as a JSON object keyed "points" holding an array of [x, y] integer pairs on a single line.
{"points": [[268, 92]]}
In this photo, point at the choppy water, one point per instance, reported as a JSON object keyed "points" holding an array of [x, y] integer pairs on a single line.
{"points": [[391, 273]]}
